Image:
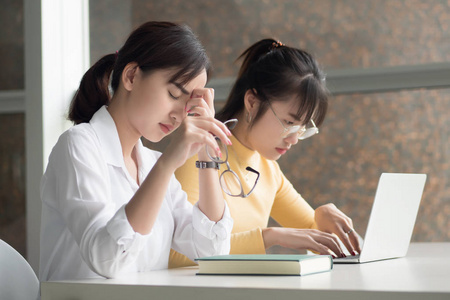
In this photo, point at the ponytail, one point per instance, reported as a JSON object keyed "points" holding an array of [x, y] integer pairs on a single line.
{"points": [[235, 101], [256, 51], [276, 72], [93, 92]]}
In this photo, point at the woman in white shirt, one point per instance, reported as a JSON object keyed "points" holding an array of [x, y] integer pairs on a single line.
{"points": [[110, 206]]}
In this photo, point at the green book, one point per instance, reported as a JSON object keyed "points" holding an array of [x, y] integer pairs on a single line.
{"points": [[264, 264]]}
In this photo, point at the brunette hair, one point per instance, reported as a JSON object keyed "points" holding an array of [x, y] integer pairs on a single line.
{"points": [[153, 46], [276, 72]]}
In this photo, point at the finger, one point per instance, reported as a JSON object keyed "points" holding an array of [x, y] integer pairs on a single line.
{"points": [[219, 130], [331, 242], [211, 142], [200, 136], [199, 107], [206, 93], [194, 102], [344, 237], [321, 249], [212, 128], [197, 111], [354, 239], [215, 127], [223, 127]]}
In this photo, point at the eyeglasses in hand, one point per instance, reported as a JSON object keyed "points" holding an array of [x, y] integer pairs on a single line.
{"points": [[229, 180]]}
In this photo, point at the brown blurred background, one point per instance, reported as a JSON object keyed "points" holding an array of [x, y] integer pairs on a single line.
{"points": [[364, 134]]}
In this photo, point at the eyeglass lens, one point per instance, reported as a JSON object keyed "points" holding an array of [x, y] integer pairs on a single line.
{"points": [[229, 180], [309, 132], [302, 132], [231, 184]]}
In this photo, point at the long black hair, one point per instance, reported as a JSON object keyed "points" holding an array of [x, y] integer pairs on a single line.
{"points": [[153, 46], [276, 72]]}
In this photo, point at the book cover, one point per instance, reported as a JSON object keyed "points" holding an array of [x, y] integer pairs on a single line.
{"points": [[264, 264]]}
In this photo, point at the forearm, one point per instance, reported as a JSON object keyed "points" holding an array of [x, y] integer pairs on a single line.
{"points": [[144, 207], [211, 201], [270, 237]]}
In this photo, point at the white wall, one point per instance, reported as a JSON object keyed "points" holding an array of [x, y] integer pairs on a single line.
{"points": [[56, 57]]}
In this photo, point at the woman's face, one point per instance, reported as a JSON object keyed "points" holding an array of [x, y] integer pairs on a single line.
{"points": [[156, 106], [266, 135]]}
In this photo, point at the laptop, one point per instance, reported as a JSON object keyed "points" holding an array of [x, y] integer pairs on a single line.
{"points": [[392, 218]]}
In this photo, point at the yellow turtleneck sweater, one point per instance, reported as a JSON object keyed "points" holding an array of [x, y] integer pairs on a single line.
{"points": [[273, 196]]}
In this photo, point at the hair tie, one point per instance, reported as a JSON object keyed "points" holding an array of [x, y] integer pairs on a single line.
{"points": [[276, 45], [117, 54]]}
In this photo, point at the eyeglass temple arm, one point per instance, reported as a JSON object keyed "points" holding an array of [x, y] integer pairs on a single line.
{"points": [[257, 178], [233, 123]]}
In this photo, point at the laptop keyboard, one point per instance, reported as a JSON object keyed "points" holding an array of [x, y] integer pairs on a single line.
{"points": [[347, 258]]}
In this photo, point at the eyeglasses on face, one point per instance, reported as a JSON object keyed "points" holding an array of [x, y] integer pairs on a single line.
{"points": [[303, 132], [229, 180]]}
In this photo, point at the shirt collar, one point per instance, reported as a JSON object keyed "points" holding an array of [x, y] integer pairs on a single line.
{"points": [[106, 131]]}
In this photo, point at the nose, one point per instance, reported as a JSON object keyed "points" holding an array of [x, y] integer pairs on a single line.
{"points": [[178, 114], [292, 138]]}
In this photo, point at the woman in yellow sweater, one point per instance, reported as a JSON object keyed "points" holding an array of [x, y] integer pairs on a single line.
{"points": [[278, 99]]}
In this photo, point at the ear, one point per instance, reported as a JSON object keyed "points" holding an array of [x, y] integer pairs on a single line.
{"points": [[251, 102], [129, 75]]}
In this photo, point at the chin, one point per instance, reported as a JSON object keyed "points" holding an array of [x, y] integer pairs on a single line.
{"points": [[276, 157], [271, 156], [153, 139]]}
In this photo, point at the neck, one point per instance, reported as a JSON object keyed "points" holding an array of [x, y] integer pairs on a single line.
{"points": [[242, 130], [127, 134]]}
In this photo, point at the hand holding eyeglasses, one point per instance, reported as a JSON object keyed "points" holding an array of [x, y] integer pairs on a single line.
{"points": [[229, 180]]}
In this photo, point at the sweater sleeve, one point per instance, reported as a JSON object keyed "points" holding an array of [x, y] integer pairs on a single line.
{"points": [[248, 242], [290, 209]]}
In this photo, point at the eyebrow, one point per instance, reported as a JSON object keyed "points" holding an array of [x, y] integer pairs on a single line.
{"points": [[181, 88], [294, 116]]}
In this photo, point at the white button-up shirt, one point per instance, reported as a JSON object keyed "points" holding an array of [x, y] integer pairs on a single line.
{"points": [[85, 232]]}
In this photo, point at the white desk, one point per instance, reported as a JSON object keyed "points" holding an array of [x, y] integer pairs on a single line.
{"points": [[423, 274]]}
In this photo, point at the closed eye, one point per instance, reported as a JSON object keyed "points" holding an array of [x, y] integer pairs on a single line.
{"points": [[289, 122], [173, 97]]}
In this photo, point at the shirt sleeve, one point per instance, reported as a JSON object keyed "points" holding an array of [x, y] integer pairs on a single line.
{"points": [[106, 240], [247, 242], [195, 235]]}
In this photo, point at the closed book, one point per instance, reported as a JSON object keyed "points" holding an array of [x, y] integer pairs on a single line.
{"points": [[264, 264]]}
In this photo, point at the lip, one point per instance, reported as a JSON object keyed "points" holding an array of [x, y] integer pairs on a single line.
{"points": [[281, 150], [166, 128]]}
